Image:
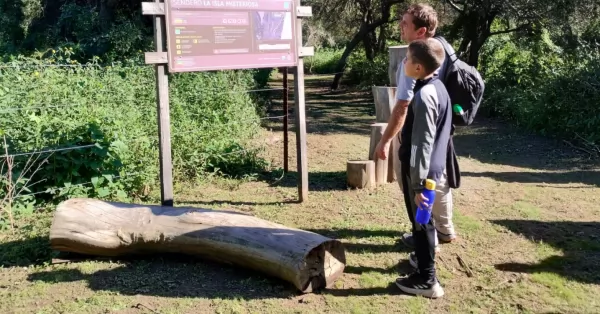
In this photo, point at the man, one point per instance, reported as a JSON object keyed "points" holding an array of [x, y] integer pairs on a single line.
{"points": [[418, 22]]}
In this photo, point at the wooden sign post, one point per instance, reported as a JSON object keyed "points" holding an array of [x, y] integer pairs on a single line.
{"points": [[208, 35]]}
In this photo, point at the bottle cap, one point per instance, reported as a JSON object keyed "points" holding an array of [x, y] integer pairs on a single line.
{"points": [[430, 184]]}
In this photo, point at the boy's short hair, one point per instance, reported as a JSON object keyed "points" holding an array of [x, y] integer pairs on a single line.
{"points": [[424, 16], [429, 53]]}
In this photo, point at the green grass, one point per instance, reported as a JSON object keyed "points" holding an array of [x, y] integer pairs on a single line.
{"points": [[521, 263]]}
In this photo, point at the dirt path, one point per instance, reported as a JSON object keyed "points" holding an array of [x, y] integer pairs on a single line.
{"points": [[528, 217]]}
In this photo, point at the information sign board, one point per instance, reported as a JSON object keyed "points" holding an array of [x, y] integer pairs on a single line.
{"points": [[204, 35]]}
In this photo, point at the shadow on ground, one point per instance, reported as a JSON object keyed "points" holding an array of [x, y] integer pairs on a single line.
{"points": [[317, 181], [587, 177], [25, 252], [176, 275], [234, 203], [167, 277], [329, 112], [491, 142], [579, 242]]}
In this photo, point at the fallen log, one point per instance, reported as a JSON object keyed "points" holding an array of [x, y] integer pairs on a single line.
{"points": [[308, 260]]}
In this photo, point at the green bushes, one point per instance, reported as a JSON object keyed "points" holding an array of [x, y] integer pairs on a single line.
{"points": [[365, 73], [537, 85], [323, 62], [103, 121]]}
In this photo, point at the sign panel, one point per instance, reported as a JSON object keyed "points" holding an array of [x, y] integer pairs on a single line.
{"points": [[204, 35]]}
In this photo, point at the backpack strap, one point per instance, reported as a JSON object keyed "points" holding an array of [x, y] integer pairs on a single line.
{"points": [[448, 48], [450, 53]]}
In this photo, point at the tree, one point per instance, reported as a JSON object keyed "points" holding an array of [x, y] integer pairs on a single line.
{"points": [[476, 19], [367, 19]]}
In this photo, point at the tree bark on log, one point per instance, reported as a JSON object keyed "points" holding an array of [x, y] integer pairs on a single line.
{"points": [[360, 173], [92, 227], [396, 55]]}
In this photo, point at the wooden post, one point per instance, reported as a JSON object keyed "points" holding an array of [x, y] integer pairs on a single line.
{"points": [[164, 124], [360, 174], [285, 120], [381, 166], [394, 162], [396, 55], [385, 100], [299, 103]]}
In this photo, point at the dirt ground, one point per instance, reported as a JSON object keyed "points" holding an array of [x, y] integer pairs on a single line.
{"points": [[527, 214]]}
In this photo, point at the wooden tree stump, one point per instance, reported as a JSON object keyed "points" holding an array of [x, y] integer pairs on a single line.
{"points": [[360, 173], [381, 166], [92, 227], [396, 55], [385, 100]]}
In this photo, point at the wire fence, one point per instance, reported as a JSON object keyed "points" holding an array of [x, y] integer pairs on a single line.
{"points": [[79, 185], [21, 66]]}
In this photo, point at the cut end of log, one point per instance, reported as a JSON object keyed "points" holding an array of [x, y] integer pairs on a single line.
{"points": [[360, 174], [326, 264]]}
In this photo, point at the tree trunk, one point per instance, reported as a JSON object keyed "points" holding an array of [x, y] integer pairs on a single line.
{"points": [[476, 31], [368, 44], [341, 65], [382, 39], [92, 227], [362, 32]]}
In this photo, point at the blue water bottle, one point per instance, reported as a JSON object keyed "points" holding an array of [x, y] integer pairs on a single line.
{"points": [[424, 213]]}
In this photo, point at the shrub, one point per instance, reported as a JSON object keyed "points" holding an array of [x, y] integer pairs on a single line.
{"points": [[535, 84], [110, 112], [365, 73], [323, 62]]}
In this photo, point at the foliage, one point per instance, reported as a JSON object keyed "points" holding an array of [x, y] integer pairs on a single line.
{"points": [[366, 73], [109, 113], [323, 62], [115, 31], [535, 84], [475, 21]]}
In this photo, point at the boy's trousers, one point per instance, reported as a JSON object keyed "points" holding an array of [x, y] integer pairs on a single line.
{"points": [[442, 207], [424, 235]]}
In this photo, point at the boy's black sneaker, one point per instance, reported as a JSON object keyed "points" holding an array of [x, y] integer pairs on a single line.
{"points": [[414, 284]]}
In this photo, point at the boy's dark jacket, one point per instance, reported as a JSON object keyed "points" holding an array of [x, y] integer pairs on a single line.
{"points": [[426, 135]]}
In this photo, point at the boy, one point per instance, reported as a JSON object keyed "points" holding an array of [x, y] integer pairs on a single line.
{"points": [[419, 21], [422, 153]]}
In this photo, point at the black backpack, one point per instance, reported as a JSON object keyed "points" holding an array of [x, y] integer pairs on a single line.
{"points": [[464, 84]]}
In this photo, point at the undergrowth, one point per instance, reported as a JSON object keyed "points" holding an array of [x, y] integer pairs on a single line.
{"points": [[96, 130]]}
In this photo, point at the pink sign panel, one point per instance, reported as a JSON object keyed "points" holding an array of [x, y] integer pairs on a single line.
{"points": [[205, 35]]}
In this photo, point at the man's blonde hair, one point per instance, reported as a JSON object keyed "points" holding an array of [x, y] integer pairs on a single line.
{"points": [[424, 16]]}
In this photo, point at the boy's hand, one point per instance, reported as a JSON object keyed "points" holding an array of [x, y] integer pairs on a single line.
{"points": [[382, 150], [421, 200]]}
